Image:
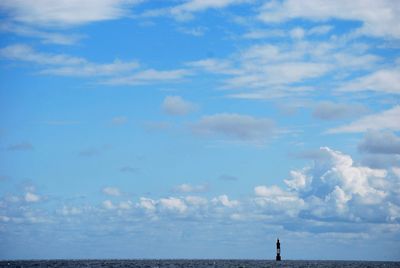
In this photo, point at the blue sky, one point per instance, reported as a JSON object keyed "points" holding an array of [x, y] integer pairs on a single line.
{"points": [[199, 129]]}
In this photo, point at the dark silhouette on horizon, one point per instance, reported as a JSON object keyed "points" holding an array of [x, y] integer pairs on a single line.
{"points": [[278, 250]]}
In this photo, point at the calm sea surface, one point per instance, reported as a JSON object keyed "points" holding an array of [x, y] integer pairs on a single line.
{"points": [[192, 263]]}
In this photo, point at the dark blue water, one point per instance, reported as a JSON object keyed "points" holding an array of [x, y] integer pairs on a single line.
{"points": [[193, 263]]}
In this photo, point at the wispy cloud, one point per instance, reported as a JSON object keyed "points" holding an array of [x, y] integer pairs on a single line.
{"points": [[236, 126], [65, 13], [176, 105], [23, 146], [333, 111], [378, 18], [388, 120]]}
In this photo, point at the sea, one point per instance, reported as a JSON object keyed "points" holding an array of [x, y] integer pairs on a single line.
{"points": [[192, 264]]}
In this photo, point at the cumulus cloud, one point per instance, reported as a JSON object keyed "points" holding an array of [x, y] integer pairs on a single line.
{"points": [[379, 18], [188, 188], [176, 105], [380, 142], [225, 201], [113, 191], [241, 127], [31, 197], [173, 204], [64, 13], [386, 120], [328, 110]]}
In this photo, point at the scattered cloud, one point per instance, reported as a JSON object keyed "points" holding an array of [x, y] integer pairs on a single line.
{"points": [[380, 121], [65, 13], [176, 105], [380, 142], [385, 80], [112, 191], [31, 197], [196, 31], [119, 120], [156, 125], [377, 18], [68, 65], [128, 169], [148, 77], [225, 201], [47, 37], [173, 204], [328, 110], [89, 152], [226, 177], [236, 126], [188, 188], [23, 146]]}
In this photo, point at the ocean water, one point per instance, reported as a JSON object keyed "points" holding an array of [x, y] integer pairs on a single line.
{"points": [[192, 264]]}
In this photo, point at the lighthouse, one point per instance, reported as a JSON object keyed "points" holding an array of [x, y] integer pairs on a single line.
{"points": [[278, 250]]}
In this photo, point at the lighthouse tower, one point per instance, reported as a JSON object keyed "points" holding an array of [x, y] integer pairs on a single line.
{"points": [[278, 250]]}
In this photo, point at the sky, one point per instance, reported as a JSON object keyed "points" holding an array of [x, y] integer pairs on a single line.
{"points": [[200, 129]]}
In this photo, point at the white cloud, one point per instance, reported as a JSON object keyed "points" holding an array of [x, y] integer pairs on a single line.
{"points": [[149, 76], [147, 204], [176, 105], [46, 36], [125, 205], [225, 201], [173, 204], [242, 127], [31, 197], [386, 80], [108, 204], [200, 201], [69, 211], [113, 191], [188, 188], [379, 18], [63, 13], [388, 120], [69, 66]]}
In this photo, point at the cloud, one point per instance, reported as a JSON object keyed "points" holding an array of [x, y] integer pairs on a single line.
{"points": [[108, 204], [46, 36], [378, 18], [31, 197], [23, 146], [188, 188], [225, 201], [328, 110], [388, 120], [173, 204], [385, 80], [69, 66], [380, 142], [65, 13], [241, 127], [149, 76], [185, 10], [119, 120], [113, 191], [176, 105], [128, 169], [226, 177], [266, 71]]}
